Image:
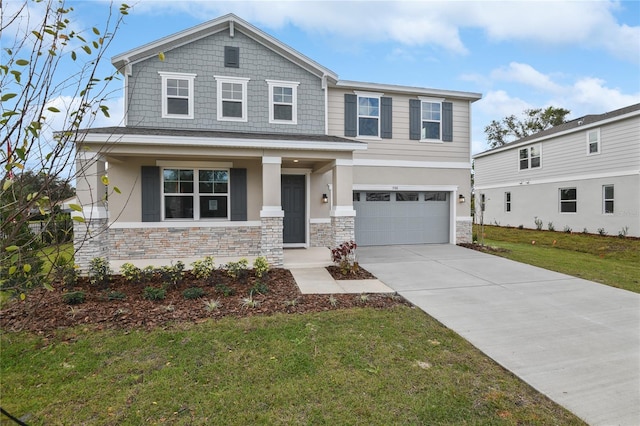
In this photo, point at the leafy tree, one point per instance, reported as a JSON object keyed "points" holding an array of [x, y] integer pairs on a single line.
{"points": [[40, 45], [511, 128]]}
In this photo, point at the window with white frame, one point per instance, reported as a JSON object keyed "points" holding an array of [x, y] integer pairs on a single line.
{"points": [[195, 193], [607, 199], [593, 142], [368, 114], [232, 98], [431, 113], [507, 201], [283, 102], [568, 200], [530, 157], [177, 94]]}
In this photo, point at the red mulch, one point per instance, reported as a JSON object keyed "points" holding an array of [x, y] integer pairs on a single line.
{"points": [[45, 311], [358, 274]]}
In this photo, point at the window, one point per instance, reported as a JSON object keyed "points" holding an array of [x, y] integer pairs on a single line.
{"points": [[435, 196], [195, 193], [507, 201], [378, 196], [431, 117], [283, 103], [177, 95], [369, 114], [568, 200], [232, 98], [593, 142], [530, 157], [607, 199], [407, 196]]}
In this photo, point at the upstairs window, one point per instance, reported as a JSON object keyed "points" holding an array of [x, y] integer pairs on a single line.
{"points": [[529, 157], [231, 98], [593, 142], [177, 95], [568, 200], [607, 199], [283, 102], [431, 119], [369, 114]]}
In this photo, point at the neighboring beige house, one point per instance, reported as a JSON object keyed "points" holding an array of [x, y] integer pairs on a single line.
{"points": [[583, 175], [237, 145]]}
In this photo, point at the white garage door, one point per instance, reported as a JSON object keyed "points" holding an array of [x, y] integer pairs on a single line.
{"points": [[388, 217]]}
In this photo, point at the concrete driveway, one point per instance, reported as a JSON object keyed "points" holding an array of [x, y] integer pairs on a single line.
{"points": [[576, 341]]}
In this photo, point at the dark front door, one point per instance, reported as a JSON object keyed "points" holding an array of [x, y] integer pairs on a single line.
{"points": [[293, 204]]}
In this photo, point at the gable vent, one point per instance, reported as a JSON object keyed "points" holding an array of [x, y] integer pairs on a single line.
{"points": [[231, 57]]}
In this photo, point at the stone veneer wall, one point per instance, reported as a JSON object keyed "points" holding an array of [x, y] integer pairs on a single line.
{"points": [[320, 235], [342, 229], [90, 240], [464, 231], [168, 242], [271, 240]]}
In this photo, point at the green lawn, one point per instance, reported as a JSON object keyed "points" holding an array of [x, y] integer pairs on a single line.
{"points": [[359, 366], [608, 260]]}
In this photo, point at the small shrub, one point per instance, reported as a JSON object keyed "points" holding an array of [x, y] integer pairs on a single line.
{"points": [[567, 229], [344, 256], [153, 293], [550, 226], [212, 305], [65, 272], [260, 287], [225, 290], [333, 301], [602, 232], [538, 223], [290, 303], [250, 302], [172, 275], [73, 297], [520, 226], [585, 231], [99, 272], [131, 272], [204, 269], [364, 298], [623, 232], [261, 268], [193, 293], [116, 295], [238, 270]]}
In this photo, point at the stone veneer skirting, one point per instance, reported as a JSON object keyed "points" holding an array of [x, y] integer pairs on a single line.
{"points": [[177, 242], [320, 235], [90, 240], [342, 229], [464, 231], [271, 240]]}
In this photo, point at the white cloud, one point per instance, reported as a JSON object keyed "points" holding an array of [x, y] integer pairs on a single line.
{"points": [[527, 75]]}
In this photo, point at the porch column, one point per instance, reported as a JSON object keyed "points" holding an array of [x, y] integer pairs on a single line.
{"points": [[342, 213], [271, 215], [90, 237]]}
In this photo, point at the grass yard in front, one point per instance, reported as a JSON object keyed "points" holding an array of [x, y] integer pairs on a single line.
{"points": [[609, 260], [354, 366]]}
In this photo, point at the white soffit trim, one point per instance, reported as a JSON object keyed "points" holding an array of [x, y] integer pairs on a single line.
{"points": [[560, 179], [343, 162], [379, 187], [173, 163], [417, 164], [408, 89], [221, 142]]}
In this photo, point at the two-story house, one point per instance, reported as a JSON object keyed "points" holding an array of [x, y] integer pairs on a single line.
{"points": [[580, 176], [235, 144]]}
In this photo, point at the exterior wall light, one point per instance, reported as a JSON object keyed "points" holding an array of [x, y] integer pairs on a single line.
{"points": [[461, 198], [325, 199]]}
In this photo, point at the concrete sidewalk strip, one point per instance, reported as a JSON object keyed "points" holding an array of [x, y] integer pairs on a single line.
{"points": [[320, 281]]}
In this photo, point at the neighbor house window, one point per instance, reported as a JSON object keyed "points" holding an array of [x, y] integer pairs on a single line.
{"points": [[369, 114], [431, 113], [177, 94], [568, 200], [593, 142], [529, 157], [607, 199], [283, 103], [507, 201], [195, 193], [231, 98]]}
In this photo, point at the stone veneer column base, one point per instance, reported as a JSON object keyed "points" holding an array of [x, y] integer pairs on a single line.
{"points": [[342, 229], [320, 234], [271, 240], [90, 240], [464, 231]]}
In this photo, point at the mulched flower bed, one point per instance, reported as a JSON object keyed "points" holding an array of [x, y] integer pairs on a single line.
{"points": [[45, 311], [359, 274]]}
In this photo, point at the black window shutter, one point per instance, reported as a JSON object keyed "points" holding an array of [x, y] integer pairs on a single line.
{"points": [[386, 116], [350, 115], [415, 119], [238, 194], [231, 57], [150, 183], [447, 122]]}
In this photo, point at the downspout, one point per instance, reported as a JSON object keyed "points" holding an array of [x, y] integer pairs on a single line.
{"points": [[127, 72]]}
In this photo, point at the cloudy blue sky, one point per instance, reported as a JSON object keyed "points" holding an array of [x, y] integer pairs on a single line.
{"points": [[580, 55]]}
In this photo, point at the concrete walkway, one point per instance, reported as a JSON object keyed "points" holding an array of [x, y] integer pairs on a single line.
{"points": [[576, 341]]}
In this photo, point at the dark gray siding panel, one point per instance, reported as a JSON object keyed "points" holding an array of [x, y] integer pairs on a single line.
{"points": [[150, 183], [232, 57], [238, 194], [447, 122], [350, 115], [415, 120], [386, 115]]}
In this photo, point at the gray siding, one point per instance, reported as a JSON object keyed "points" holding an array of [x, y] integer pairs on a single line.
{"points": [[205, 57]]}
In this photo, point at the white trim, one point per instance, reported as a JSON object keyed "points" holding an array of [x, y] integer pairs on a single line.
{"points": [[320, 220], [271, 160], [91, 212], [183, 224], [293, 85], [528, 148], [89, 155], [189, 77], [154, 140], [195, 164], [271, 211], [343, 162], [342, 211], [560, 179], [409, 163], [231, 80], [432, 100], [377, 187], [407, 89], [372, 95], [464, 218], [422, 119]]}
